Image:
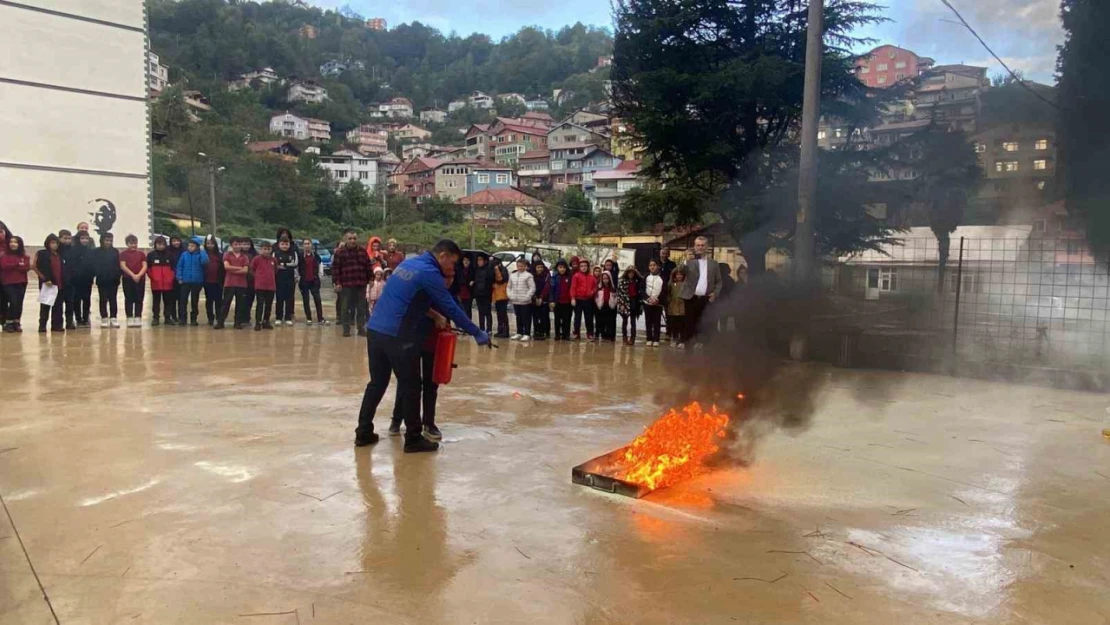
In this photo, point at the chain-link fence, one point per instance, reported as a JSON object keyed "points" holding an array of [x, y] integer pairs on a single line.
{"points": [[1028, 300]]}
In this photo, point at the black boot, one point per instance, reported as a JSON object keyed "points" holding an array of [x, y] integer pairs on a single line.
{"points": [[366, 439], [417, 444]]}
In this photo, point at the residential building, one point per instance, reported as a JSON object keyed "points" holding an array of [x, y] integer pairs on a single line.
{"points": [[455, 105], [433, 116], [536, 104], [376, 23], [413, 150], [570, 133], [265, 76], [318, 129], [610, 186], [369, 139], [335, 67], [289, 126], [480, 100], [534, 169], [450, 177], [418, 179], [397, 107], [585, 118], [307, 91], [574, 164], [159, 74], [282, 149], [409, 131], [197, 103], [348, 166], [492, 207], [509, 139], [488, 176], [1019, 166], [515, 98], [604, 61], [449, 152], [477, 142], [538, 117], [888, 65], [308, 31], [949, 94], [622, 142]]}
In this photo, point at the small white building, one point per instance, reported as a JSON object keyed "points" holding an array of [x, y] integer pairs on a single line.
{"points": [[266, 76], [456, 105], [293, 126], [433, 116], [336, 67], [369, 139], [307, 91], [345, 166], [159, 74], [480, 100], [410, 131], [536, 104], [515, 98]]}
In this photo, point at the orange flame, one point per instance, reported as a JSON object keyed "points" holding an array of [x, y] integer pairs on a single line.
{"points": [[675, 447]]}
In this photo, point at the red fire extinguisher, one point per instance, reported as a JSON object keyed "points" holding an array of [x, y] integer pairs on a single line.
{"points": [[446, 340]]}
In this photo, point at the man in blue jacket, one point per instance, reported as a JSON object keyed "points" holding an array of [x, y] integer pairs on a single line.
{"points": [[396, 331], [190, 275]]}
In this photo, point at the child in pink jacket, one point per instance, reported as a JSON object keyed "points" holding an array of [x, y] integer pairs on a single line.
{"points": [[374, 289]]}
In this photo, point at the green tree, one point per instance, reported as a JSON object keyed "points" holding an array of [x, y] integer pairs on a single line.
{"points": [[1084, 130], [713, 91], [608, 222]]}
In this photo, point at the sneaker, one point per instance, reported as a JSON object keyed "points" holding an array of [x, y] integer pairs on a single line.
{"points": [[577, 336], [589, 337], [325, 322], [288, 322], [237, 326], [114, 324], [419, 444], [367, 439], [432, 433], [515, 337], [258, 327], [346, 330], [362, 331], [70, 326], [104, 323], [194, 323], [266, 325], [394, 428], [308, 322], [525, 338], [217, 325], [154, 323]]}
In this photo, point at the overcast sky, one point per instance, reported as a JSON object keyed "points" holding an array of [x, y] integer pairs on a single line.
{"points": [[1024, 33]]}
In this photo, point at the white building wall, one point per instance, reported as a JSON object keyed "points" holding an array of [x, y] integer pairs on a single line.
{"points": [[54, 165]]}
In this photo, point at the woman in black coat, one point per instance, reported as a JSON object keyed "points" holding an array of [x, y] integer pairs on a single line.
{"points": [[482, 291]]}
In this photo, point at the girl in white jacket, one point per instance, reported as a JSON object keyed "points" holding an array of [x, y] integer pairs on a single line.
{"points": [[522, 287], [653, 302]]}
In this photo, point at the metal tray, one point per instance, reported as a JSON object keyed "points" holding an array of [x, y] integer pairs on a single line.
{"points": [[591, 473]]}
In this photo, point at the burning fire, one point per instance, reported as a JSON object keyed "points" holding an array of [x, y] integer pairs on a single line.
{"points": [[674, 448]]}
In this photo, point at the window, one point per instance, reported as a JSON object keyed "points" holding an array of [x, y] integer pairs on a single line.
{"points": [[892, 54], [980, 148], [1005, 165], [883, 67], [821, 134], [556, 165], [881, 80], [1040, 185], [341, 174], [1039, 225], [900, 76], [900, 65], [1042, 144], [1040, 164], [969, 283], [865, 70], [878, 211], [483, 178], [502, 178], [452, 184], [588, 176], [882, 279], [1010, 146], [362, 175], [838, 133]]}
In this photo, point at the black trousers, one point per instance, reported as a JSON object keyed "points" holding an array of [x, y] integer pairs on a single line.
{"points": [[11, 305], [607, 323], [468, 306], [523, 314], [502, 308], [237, 294], [286, 291], [485, 316], [133, 294], [390, 355], [311, 289], [653, 315], [353, 306], [429, 391], [68, 295], [79, 301], [188, 293], [171, 298], [676, 325], [248, 302], [586, 308], [541, 321], [625, 319], [695, 308], [563, 314], [163, 297], [107, 291], [53, 314], [213, 299], [263, 306]]}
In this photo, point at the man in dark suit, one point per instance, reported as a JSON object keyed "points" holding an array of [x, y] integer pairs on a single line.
{"points": [[702, 286]]}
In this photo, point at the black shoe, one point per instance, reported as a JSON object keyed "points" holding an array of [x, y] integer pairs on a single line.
{"points": [[193, 322], [258, 327], [217, 325], [394, 428], [42, 329], [170, 322], [346, 331], [419, 444], [237, 326], [368, 439], [59, 329], [70, 326], [362, 331], [154, 322], [211, 322], [266, 325], [432, 433]]}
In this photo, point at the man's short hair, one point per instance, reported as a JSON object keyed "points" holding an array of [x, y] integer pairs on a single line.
{"points": [[64, 233], [348, 231], [131, 239], [266, 245], [701, 239], [446, 245]]}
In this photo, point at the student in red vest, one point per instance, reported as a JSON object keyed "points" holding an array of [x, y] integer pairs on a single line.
{"points": [[132, 262], [264, 269], [236, 267], [48, 265], [311, 275], [14, 265], [213, 280], [160, 262]]}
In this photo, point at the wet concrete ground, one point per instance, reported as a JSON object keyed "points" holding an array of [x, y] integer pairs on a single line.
{"points": [[181, 475]]}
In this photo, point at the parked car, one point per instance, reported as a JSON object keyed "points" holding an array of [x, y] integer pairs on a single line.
{"points": [[509, 258], [325, 256]]}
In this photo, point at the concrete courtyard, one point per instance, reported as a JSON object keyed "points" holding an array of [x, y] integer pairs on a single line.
{"points": [[181, 475]]}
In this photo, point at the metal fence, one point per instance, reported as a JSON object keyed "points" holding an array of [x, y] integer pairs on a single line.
{"points": [[1031, 301]]}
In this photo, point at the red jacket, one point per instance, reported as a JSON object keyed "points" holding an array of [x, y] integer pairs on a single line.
{"points": [[265, 273], [160, 270], [13, 269], [583, 286]]}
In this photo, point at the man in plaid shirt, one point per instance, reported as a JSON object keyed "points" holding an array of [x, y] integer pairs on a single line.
{"points": [[351, 270]]}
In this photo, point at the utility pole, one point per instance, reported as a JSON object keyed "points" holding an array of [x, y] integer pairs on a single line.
{"points": [[471, 226], [804, 253], [212, 191]]}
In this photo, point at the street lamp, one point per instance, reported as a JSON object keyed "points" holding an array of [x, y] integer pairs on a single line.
{"points": [[212, 171]]}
